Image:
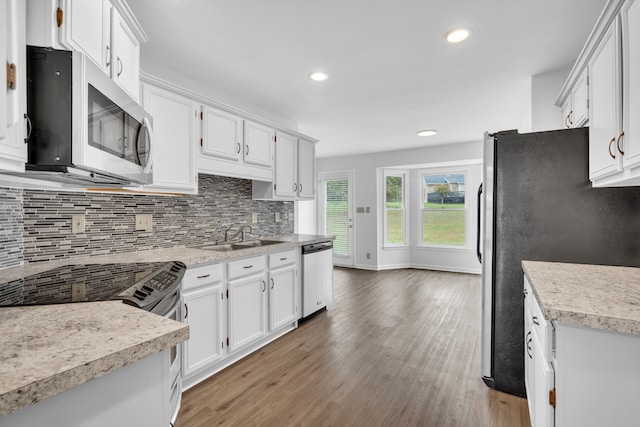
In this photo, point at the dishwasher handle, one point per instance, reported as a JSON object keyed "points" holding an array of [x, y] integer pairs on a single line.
{"points": [[316, 247]]}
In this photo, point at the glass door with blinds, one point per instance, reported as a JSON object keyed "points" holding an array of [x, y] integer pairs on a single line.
{"points": [[336, 214]]}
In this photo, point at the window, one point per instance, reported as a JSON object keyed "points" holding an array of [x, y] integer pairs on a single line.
{"points": [[394, 209], [443, 208]]}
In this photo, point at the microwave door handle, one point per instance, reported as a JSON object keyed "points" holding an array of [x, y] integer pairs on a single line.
{"points": [[147, 125]]}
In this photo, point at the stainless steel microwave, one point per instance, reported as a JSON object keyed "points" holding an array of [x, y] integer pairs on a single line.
{"points": [[84, 128]]}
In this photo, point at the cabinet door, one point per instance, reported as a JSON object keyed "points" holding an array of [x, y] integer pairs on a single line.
{"points": [[566, 113], [83, 29], [282, 297], [604, 114], [544, 382], [285, 170], [580, 102], [529, 368], [306, 169], [630, 142], [258, 141], [203, 314], [174, 138], [125, 67], [247, 311], [222, 134], [13, 103]]}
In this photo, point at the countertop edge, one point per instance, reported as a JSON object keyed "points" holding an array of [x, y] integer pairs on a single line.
{"points": [[554, 312]]}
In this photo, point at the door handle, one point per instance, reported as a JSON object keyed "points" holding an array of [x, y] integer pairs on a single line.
{"points": [[480, 190]]}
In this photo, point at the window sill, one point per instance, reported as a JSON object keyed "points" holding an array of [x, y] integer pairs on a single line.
{"points": [[443, 248]]}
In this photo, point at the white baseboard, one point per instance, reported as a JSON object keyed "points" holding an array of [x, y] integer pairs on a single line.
{"points": [[418, 266]]}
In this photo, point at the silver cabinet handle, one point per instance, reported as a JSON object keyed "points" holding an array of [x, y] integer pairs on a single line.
{"points": [[272, 283], [300, 185], [264, 286], [283, 259], [204, 277], [246, 150], [238, 147], [108, 64], [248, 266], [186, 311], [120, 67], [535, 321]]}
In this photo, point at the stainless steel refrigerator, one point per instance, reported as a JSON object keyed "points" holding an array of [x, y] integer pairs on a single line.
{"points": [[538, 204]]}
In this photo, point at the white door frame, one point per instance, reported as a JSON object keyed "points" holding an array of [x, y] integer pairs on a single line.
{"points": [[349, 175]]}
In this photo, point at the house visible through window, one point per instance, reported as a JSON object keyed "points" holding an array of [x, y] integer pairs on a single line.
{"points": [[443, 209], [394, 212]]}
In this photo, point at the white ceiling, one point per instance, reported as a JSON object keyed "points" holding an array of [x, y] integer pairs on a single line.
{"points": [[392, 73]]}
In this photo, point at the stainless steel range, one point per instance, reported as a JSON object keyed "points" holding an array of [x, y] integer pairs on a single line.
{"points": [[154, 287]]}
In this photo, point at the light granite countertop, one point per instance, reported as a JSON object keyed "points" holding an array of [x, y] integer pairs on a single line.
{"points": [[596, 296], [45, 350], [48, 349]]}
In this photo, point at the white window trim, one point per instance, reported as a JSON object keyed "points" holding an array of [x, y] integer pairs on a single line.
{"points": [[405, 207], [420, 223]]}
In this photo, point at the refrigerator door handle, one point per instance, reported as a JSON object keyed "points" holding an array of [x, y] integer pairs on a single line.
{"points": [[479, 224]]}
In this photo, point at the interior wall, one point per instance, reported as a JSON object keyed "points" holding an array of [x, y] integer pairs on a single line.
{"points": [[366, 193], [40, 220], [306, 217], [545, 89]]}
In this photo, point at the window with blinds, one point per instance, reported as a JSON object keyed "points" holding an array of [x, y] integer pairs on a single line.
{"points": [[337, 214]]}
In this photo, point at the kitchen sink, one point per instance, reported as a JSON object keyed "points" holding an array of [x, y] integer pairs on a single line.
{"points": [[233, 246]]}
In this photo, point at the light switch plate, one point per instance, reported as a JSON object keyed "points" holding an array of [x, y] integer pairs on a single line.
{"points": [[77, 224], [144, 222], [254, 217]]}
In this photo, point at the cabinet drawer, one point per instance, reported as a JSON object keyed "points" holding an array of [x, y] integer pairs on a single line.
{"points": [[246, 266], [199, 276], [283, 258]]}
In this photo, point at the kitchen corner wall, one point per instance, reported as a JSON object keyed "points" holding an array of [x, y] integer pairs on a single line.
{"points": [[40, 220]]}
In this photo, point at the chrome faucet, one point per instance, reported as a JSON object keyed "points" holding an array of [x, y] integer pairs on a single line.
{"points": [[241, 232]]}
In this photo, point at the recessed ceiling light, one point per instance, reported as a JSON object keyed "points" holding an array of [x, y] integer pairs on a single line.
{"points": [[427, 132], [318, 76], [457, 35]]}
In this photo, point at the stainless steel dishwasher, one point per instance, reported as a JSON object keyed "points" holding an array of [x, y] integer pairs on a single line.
{"points": [[317, 277]]}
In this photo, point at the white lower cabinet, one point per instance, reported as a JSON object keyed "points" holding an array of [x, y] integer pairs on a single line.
{"points": [[203, 297], [233, 308], [247, 310], [578, 375], [283, 302]]}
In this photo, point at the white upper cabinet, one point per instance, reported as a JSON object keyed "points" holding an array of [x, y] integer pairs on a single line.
{"points": [[221, 134], [575, 110], [605, 91], [13, 105], [233, 146], [258, 143], [294, 171], [612, 59], [105, 30], [306, 169], [285, 182], [175, 138], [125, 54]]}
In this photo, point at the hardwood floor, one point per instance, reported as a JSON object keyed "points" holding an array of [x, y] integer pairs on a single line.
{"points": [[397, 348]]}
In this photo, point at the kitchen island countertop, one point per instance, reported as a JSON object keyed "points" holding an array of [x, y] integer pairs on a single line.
{"points": [[596, 296], [48, 349]]}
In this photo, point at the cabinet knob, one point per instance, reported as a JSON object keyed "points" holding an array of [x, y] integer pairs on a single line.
{"points": [[613, 156], [618, 143]]}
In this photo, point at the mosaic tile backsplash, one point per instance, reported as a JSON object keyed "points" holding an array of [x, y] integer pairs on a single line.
{"points": [[11, 227], [177, 220]]}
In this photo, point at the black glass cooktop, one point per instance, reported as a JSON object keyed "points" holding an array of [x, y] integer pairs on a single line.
{"points": [[74, 283]]}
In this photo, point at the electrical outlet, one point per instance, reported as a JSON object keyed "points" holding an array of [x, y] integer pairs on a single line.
{"points": [[77, 224], [78, 292], [144, 222], [368, 255], [254, 217], [277, 216]]}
